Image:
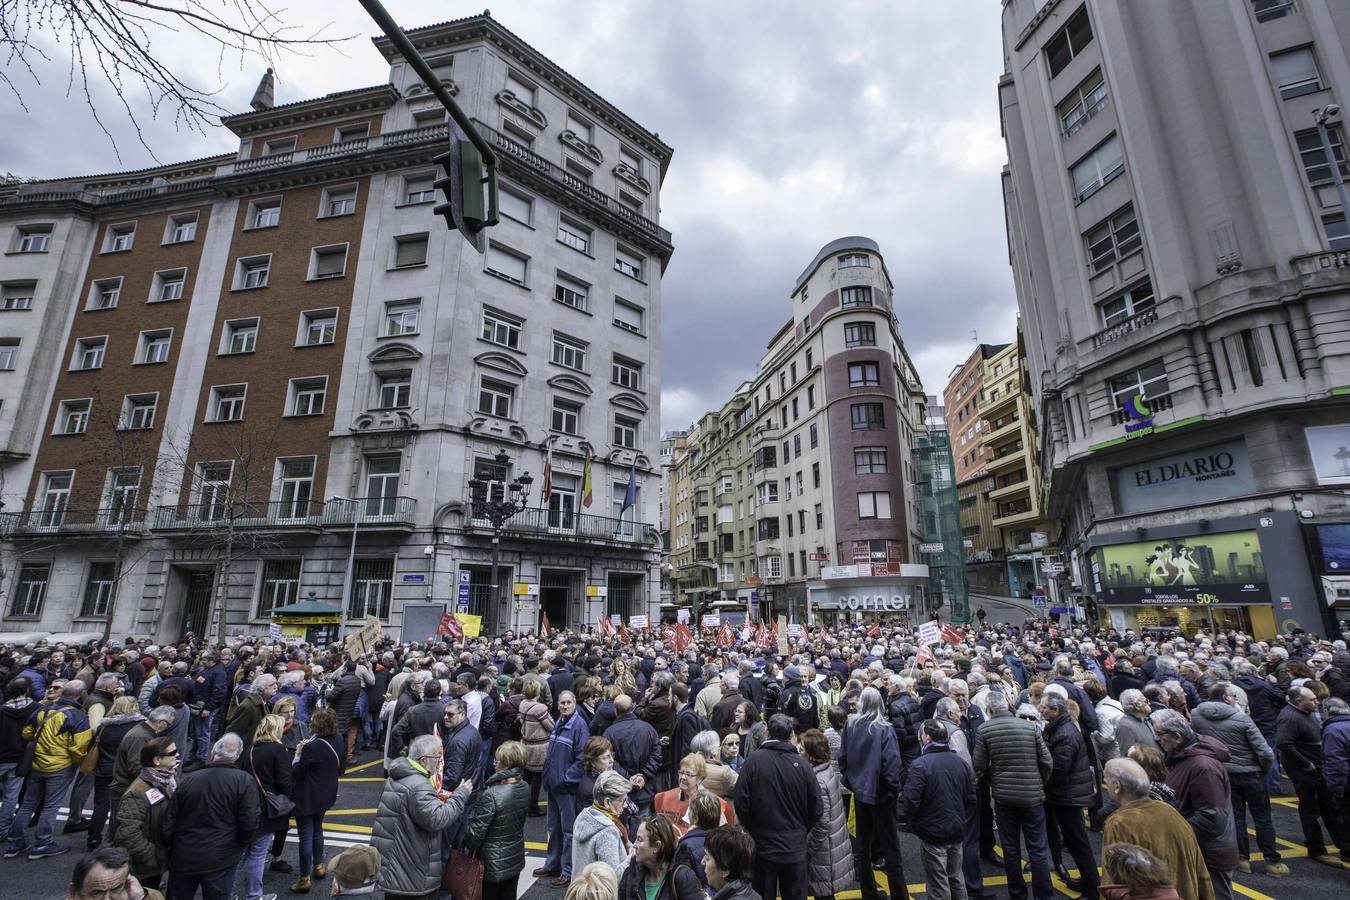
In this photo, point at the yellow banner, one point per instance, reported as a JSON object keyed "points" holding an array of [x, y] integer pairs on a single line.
{"points": [[295, 631], [473, 625]]}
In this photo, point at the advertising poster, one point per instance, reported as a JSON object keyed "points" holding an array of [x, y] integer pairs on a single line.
{"points": [[1195, 570], [1334, 543]]}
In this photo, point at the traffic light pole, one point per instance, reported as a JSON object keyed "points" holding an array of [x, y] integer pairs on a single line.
{"points": [[419, 65]]}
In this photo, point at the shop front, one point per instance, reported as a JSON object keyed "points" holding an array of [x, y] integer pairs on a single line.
{"points": [[309, 620], [848, 594]]}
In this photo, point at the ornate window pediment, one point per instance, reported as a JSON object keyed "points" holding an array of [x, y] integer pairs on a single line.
{"points": [[501, 362], [570, 139], [629, 401], [624, 173], [395, 353], [570, 383], [421, 90], [509, 100]]}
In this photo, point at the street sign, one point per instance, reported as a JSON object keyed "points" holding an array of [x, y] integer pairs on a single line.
{"points": [[935, 547], [462, 599], [1052, 567], [413, 578], [820, 557], [1038, 597]]}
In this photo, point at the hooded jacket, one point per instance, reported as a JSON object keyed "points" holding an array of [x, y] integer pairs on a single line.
{"points": [[62, 734], [1247, 747], [14, 715], [1196, 772], [779, 801], [595, 838], [829, 853], [408, 828], [1336, 757]]}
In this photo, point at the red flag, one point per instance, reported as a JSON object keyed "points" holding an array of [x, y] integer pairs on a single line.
{"points": [[725, 635], [683, 637], [623, 633], [953, 635], [1110, 661], [450, 625], [545, 629], [924, 655], [874, 631], [606, 627]]}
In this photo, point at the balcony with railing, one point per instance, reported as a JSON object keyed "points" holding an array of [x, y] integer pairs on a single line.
{"points": [[1116, 331], [571, 527], [109, 523], [1154, 404], [314, 515], [370, 512], [1002, 428]]}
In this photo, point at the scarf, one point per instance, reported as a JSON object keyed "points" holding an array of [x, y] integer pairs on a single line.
{"points": [[623, 832], [163, 781]]}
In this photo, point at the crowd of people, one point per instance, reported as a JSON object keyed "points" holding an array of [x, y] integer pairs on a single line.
{"points": [[669, 765]]}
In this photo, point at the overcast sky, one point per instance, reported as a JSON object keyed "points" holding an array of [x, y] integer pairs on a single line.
{"points": [[793, 123]]}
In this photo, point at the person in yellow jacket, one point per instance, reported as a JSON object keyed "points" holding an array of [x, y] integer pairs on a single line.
{"points": [[62, 736]]}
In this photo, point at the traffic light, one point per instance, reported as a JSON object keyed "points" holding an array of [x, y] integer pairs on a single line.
{"points": [[465, 208]]}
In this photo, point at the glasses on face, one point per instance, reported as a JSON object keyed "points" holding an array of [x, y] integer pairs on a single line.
{"points": [[685, 773], [173, 752]]}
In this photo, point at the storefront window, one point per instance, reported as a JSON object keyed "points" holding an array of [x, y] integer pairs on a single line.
{"points": [[1186, 619]]}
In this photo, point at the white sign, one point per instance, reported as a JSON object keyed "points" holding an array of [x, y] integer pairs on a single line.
{"points": [[712, 621], [796, 631], [637, 621], [1040, 539], [828, 572], [615, 619], [1051, 567], [930, 633], [274, 631], [935, 547], [682, 615]]}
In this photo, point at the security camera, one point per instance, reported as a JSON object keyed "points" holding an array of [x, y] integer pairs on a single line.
{"points": [[1332, 109]]}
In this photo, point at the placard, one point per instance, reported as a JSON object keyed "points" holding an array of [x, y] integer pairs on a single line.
{"points": [[796, 631], [930, 633], [472, 625], [712, 620], [637, 621], [361, 642], [782, 629], [682, 615]]}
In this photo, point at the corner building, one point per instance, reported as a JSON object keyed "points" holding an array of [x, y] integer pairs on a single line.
{"points": [[1182, 266], [801, 497], [228, 373]]}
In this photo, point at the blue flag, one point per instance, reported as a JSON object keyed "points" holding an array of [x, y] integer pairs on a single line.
{"points": [[630, 497]]}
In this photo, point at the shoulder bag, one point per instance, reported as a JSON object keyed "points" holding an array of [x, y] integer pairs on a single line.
{"points": [[463, 876], [274, 805], [90, 761]]}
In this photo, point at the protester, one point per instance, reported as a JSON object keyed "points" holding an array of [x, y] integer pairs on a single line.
{"points": [[829, 852], [1011, 754], [729, 863], [106, 875], [870, 765], [1135, 874], [1072, 785], [355, 869], [1299, 741], [61, 736], [139, 828], [536, 729], [595, 882], [562, 775], [314, 789], [213, 816], [1155, 826], [674, 802], [496, 833], [19, 707], [777, 796], [939, 800], [1195, 771], [651, 875]]}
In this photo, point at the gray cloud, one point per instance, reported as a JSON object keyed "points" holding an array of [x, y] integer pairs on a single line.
{"points": [[793, 123]]}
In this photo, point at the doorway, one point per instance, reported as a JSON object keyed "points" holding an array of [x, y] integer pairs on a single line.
{"points": [[557, 591], [197, 601]]}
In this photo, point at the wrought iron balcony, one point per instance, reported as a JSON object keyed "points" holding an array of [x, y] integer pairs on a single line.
{"points": [[1134, 323], [109, 522], [553, 524], [207, 515], [372, 511]]}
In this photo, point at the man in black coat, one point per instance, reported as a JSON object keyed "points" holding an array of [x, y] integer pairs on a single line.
{"points": [[637, 750], [1071, 786], [799, 701], [778, 801], [212, 818], [903, 709], [346, 694], [1087, 713], [559, 680], [1264, 703], [688, 723], [463, 746], [422, 718], [939, 801], [1299, 741]]}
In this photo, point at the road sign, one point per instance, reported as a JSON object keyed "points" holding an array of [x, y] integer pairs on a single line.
{"points": [[462, 599], [1052, 567], [1038, 597]]}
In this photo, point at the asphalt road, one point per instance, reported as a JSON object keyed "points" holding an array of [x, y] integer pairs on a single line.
{"points": [[350, 823]]}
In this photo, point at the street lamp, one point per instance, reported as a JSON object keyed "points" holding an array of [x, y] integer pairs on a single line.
{"points": [[1321, 116], [497, 501], [349, 585]]}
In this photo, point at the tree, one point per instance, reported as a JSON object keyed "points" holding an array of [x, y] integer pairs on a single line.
{"points": [[114, 41]]}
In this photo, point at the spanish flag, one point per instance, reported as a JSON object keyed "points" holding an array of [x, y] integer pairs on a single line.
{"points": [[586, 481]]}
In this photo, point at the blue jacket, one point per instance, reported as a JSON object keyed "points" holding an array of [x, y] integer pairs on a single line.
{"points": [[1087, 713], [463, 756], [1160, 675], [1336, 757], [939, 795], [305, 701], [564, 763], [637, 748], [1014, 662], [38, 687], [1264, 702], [869, 760], [210, 688]]}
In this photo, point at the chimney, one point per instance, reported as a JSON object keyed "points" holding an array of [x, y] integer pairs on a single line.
{"points": [[264, 96]]}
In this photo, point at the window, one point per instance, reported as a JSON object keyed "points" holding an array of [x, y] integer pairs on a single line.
{"points": [[227, 403], [771, 566], [569, 352], [352, 132], [280, 586], [515, 206], [625, 432], [797, 445], [410, 250], [869, 460], [74, 417], [810, 396], [252, 272], [815, 475], [566, 416], [213, 490], [1114, 239], [867, 416], [17, 295], [860, 334], [495, 398], [89, 353], [820, 517], [815, 436], [1296, 72], [372, 586], [34, 238], [307, 396], [395, 390], [864, 374], [419, 189], [278, 146], [575, 171], [1315, 158], [575, 236], [1092, 172], [506, 264], [154, 346], [1338, 236], [855, 296], [241, 336], [382, 482], [119, 238], [570, 292], [138, 411], [628, 263], [429, 118], [400, 317], [852, 260], [181, 228], [874, 505], [1135, 300], [1068, 42], [626, 373], [767, 492], [1268, 10], [168, 285], [318, 327], [522, 89], [1148, 381], [297, 487], [105, 293], [338, 201], [630, 160], [1083, 102], [501, 329], [30, 590], [124, 490], [264, 213], [328, 262], [628, 316], [579, 126]]}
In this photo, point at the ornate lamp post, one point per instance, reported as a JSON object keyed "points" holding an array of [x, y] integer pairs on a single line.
{"points": [[497, 501]]}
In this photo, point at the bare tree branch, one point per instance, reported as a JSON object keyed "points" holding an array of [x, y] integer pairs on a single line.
{"points": [[114, 41]]}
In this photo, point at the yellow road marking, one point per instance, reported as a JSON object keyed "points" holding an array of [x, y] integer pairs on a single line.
{"points": [[1248, 892], [351, 812], [373, 762], [346, 780]]}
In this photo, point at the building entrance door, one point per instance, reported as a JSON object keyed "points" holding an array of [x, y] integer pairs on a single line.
{"points": [[197, 601], [556, 593]]}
